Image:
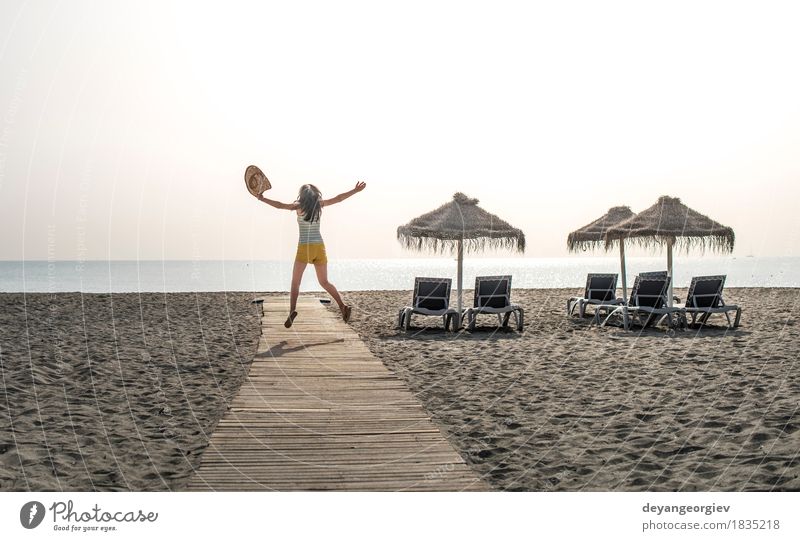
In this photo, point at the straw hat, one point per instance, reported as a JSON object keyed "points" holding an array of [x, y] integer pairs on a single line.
{"points": [[256, 181]]}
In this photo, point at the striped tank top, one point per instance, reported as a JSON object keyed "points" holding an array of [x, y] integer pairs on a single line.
{"points": [[309, 231]]}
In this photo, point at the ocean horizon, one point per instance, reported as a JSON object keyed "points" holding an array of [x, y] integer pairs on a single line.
{"points": [[126, 276]]}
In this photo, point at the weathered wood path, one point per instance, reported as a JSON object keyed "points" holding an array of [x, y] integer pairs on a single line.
{"points": [[319, 412]]}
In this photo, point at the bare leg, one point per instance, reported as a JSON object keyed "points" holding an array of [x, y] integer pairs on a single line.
{"points": [[322, 278], [297, 276]]}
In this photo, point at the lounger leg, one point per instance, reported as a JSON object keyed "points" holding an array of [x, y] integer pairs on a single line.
{"points": [[738, 317], [608, 316], [406, 319], [400, 318], [597, 314], [569, 307], [520, 316], [506, 317]]}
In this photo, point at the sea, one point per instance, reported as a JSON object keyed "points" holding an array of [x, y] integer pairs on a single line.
{"points": [[370, 274]]}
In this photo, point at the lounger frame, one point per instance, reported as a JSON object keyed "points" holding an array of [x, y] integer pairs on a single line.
{"points": [[496, 301], [650, 304], [423, 296], [595, 293], [706, 304]]}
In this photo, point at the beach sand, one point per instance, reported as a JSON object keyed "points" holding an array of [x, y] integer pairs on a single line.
{"points": [[116, 392], [565, 407], [122, 392]]}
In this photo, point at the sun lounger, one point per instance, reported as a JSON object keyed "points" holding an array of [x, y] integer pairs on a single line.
{"points": [[600, 289], [493, 296], [431, 298], [705, 298], [647, 304], [657, 274]]}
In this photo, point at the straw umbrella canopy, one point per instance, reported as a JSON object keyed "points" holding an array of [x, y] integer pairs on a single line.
{"points": [[669, 222], [457, 226], [593, 235]]}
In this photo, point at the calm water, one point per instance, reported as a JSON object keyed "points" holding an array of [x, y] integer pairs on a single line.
{"points": [[176, 276]]}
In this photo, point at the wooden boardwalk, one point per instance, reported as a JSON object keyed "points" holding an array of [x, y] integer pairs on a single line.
{"points": [[319, 412]]}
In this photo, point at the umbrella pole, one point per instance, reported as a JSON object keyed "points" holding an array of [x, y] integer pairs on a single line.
{"points": [[669, 271], [624, 283], [460, 279], [622, 270]]}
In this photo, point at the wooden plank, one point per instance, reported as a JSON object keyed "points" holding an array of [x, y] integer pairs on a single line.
{"points": [[319, 412]]}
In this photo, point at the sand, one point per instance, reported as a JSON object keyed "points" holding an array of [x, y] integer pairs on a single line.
{"points": [[565, 407], [122, 392], [116, 392]]}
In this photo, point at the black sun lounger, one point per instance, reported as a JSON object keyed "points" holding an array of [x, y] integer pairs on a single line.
{"points": [[431, 298], [647, 304], [705, 298], [600, 289], [493, 296]]}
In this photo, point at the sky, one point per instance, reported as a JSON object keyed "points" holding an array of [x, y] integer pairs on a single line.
{"points": [[125, 128]]}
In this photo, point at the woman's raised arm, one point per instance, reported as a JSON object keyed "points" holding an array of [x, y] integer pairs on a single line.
{"points": [[342, 196], [278, 204]]}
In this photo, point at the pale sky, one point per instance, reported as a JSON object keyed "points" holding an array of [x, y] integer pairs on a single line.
{"points": [[125, 127]]}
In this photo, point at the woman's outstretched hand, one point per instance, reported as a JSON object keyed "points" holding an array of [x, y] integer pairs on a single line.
{"points": [[342, 196]]}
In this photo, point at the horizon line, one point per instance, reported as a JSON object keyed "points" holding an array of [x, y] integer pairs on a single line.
{"points": [[445, 256]]}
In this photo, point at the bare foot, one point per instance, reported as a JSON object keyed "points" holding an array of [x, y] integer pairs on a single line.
{"points": [[346, 311], [290, 320]]}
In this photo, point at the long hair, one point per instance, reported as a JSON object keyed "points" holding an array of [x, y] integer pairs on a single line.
{"points": [[310, 198]]}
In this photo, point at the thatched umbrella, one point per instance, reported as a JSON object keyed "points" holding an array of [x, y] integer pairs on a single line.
{"points": [[458, 226], [670, 222], [593, 235]]}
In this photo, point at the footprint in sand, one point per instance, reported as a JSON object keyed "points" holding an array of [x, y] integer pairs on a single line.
{"points": [[761, 437]]}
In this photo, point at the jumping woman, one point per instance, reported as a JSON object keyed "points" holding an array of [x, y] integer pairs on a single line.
{"points": [[310, 248]]}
